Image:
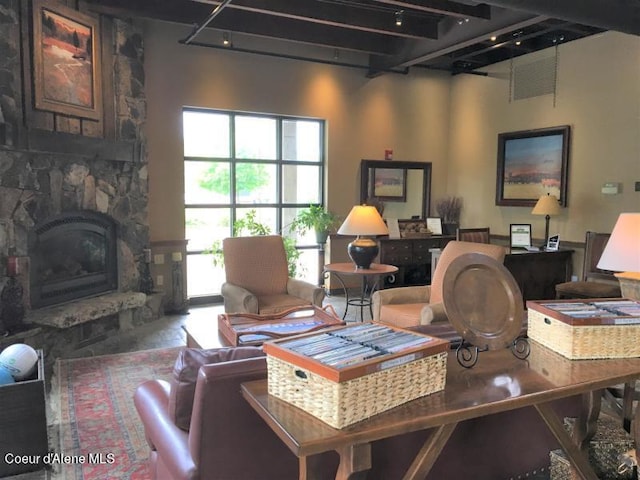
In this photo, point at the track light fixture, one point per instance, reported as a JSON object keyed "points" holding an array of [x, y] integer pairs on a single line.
{"points": [[226, 40], [399, 15], [517, 36]]}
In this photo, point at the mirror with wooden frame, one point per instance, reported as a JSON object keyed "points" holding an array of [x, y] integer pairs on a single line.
{"points": [[402, 188]]}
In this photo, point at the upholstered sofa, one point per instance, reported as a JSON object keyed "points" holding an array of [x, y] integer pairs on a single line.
{"points": [[199, 427]]}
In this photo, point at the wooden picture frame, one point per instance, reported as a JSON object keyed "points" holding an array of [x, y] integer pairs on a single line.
{"points": [[532, 163], [520, 235], [390, 184], [66, 61]]}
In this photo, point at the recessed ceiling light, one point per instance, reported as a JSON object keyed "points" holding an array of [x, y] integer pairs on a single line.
{"points": [[493, 38]]}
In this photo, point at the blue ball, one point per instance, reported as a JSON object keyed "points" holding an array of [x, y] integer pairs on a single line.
{"points": [[6, 377]]}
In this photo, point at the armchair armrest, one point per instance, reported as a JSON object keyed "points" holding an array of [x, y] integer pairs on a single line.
{"points": [[305, 290], [389, 296], [151, 400], [238, 299], [433, 313]]}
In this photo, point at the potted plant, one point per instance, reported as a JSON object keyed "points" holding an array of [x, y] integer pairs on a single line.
{"points": [[315, 218], [448, 209], [249, 225]]}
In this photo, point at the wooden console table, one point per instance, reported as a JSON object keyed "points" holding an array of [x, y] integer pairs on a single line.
{"points": [[536, 273], [412, 256], [542, 378]]}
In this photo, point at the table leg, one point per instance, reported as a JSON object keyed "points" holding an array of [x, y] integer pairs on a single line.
{"points": [[355, 461], [346, 294], [363, 293], [627, 405], [429, 452], [586, 424], [577, 458]]}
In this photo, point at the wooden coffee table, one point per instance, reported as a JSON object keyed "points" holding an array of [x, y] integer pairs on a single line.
{"points": [[237, 329]]}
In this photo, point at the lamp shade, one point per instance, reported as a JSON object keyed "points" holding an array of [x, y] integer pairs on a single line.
{"points": [[546, 205], [363, 220], [622, 253]]}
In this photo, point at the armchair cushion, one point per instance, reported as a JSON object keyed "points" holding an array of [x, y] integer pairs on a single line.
{"points": [[185, 375]]}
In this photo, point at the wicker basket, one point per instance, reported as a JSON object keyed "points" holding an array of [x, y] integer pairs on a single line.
{"points": [[343, 403], [578, 342]]}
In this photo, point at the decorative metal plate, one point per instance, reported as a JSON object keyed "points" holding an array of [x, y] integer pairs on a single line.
{"points": [[483, 301]]}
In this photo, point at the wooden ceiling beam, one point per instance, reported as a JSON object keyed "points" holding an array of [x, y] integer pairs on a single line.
{"points": [[348, 16], [443, 7], [189, 13]]}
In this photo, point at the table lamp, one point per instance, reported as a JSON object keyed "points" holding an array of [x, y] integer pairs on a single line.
{"points": [[622, 254], [547, 205], [363, 221]]}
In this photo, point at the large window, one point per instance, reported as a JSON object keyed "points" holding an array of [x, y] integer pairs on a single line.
{"points": [[238, 162]]}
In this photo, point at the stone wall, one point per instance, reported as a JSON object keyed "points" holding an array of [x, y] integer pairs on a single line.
{"points": [[52, 163]]}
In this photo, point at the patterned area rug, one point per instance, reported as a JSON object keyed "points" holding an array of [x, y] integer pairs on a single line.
{"points": [[97, 418]]}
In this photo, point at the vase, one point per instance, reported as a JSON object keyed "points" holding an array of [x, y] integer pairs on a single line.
{"points": [[321, 237], [450, 228]]}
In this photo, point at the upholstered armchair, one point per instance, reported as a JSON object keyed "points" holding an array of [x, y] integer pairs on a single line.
{"points": [[421, 305], [258, 278], [199, 427], [595, 283]]}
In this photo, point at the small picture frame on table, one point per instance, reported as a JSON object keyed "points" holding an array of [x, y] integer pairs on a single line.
{"points": [[520, 235], [434, 224], [553, 244]]}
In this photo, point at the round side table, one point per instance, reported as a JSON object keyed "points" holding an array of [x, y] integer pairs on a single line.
{"points": [[374, 272]]}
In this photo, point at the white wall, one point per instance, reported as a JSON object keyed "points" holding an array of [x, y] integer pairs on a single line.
{"points": [[409, 114], [452, 122], [598, 95]]}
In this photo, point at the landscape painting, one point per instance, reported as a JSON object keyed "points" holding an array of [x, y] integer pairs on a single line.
{"points": [[532, 163], [390, 184], [66, 61]]}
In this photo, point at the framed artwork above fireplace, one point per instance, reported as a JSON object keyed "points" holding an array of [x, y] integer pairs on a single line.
{"points": [[66, 61]]}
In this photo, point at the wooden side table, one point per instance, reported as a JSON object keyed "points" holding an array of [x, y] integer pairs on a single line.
{"points": [[375, 272]]}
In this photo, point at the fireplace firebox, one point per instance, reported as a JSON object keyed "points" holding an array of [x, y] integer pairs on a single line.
{"points": [[73, 255]]}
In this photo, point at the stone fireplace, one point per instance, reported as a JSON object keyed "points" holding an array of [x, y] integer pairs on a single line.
{"points": [[72, 256], [74, 197]]}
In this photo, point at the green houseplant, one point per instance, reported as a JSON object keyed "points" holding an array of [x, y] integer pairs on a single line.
{"points": [[315, 218], [250, 226]]}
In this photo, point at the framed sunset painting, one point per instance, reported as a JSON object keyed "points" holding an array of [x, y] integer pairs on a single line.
{"points": [[532, 163], [66, 61]]}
